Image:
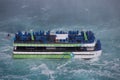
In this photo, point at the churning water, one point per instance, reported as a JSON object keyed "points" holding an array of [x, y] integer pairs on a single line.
{"points": [[100, 16]]}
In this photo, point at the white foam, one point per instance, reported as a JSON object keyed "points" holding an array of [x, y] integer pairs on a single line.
{"points": [[44, 70], [91, 72], [63, 65], [9, 77], [94, 59], [6, 48]]}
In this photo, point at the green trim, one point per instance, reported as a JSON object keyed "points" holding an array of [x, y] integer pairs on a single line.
{"points": [[48, 45], [85, 36], [32, 37], [43, 56]]}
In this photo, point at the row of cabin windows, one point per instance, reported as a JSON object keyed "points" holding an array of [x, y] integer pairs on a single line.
{"points": [[57, 49]]}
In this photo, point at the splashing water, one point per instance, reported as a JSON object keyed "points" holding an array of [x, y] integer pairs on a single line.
{"points": [[102, 17]]}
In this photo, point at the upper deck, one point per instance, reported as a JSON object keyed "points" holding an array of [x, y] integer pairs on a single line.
{"points": [[58, 38]]}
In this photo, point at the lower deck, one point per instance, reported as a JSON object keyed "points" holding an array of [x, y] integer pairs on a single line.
{"points": [[57, 55], [53, 49]]}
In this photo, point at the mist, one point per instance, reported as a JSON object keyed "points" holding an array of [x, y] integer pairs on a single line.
{"points": [[21, 13]]}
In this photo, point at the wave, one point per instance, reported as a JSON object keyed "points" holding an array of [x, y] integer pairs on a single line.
{"points": [[43, 68], [15, 77]]}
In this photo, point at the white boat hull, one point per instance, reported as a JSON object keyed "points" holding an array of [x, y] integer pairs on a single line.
{"points": [[88, 55]]}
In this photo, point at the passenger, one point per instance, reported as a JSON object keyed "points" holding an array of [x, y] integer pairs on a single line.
{"points": [[8, 36]]}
